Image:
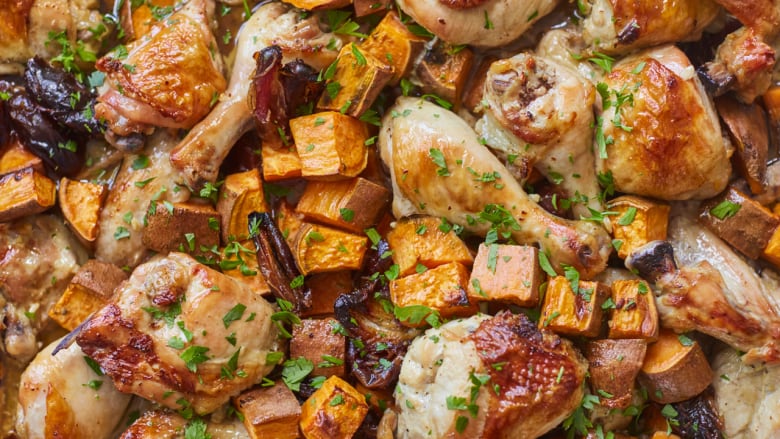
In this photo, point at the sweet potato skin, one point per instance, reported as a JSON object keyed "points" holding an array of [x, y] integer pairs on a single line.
{"points": [[314, 339], [354, 205], [269, 412], [675, 369]]}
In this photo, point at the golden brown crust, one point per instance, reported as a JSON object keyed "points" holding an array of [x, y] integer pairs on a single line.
{"points": [[650, 22], [534, 393]]}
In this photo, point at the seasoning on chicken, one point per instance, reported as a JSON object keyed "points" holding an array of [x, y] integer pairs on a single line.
{"points": [[438, 167], [540, 112], [169, 78], [182, 335], [486, 23], [658, 132], [488, 377], [65, 396]]}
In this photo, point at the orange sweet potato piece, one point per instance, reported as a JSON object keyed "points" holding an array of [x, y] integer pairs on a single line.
{"points": [[675, 369], [319, 249], [506, 273], [635, 314], [240, 195], [442, 289], [426, 241], [393, 44], [331, 145], [570, 313], [25, 192], [355, 204]]}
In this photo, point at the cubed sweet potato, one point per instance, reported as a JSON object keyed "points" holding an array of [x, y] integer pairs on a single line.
{"points": [[675, 368], [638, 221], [315, 340], [269, 412], [331, 145], [90, 290], [319, 249], [635, 314], [239, 261], [355, 83], [570, 313], [25, 192], [325, 289], [393, 44], [314, 5], [444, 70], [740, 221], [772, 251], [614, 366], [184, 227], [335, 411], [664, 435], [81, 203], [442, 289], [240, 195], [280, 164], [15, 157], [288, 221], [426, 241], [506, 273], [355, 204]]}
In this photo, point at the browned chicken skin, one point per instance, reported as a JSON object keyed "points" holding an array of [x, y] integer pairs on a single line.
{"points": [[164, 337], [524, 398]]}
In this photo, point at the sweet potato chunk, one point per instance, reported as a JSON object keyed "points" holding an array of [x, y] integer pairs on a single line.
{"points": [[335, 411], [444, 71], [675, 368], [749, 134], [506, 273], [270, 412], [355, 83], [426, 241], [319, 249], [315, 340], [183, 227], [280, 164], [772, 251], [288, 221], [570, 313], [638, 222], [331, 145], [313, 5], [15, 157], [393, 44], [441, 289], [25, 192], [740, 221], [81, 203], [90, 289], [240, 195], [355, 204], [239, 261], [635, 314], [325, 289], [614, 365]]}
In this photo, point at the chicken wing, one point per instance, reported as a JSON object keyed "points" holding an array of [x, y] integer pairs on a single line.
{"points": [[168, 78], [541, 111], [658, 132], [62, 396], [620, 26], [145, 179], [524, 398], [486, 23], [438, 167], [182, 335], [200, 154]]}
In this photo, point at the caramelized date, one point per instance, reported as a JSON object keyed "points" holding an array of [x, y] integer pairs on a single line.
{"points": [[698, 418]]}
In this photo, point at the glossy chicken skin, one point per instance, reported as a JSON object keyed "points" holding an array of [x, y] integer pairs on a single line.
{"points": [[169, 77], [135, 189], [200, 154], [166, 338], [541, 111], [619, 26], [38, 257], [61, 396], [665, 142], [413, 130], [485, 23], [744, 62], [524, 398]]}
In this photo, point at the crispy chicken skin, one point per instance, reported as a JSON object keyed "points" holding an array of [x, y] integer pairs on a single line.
{"points": [[743, 61], [200, 154], [141, 340], [486, 23], [620, 26], [169, 77], [523, 398], [541, 111], [415, 131], [666, 141], [61, 396]]}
